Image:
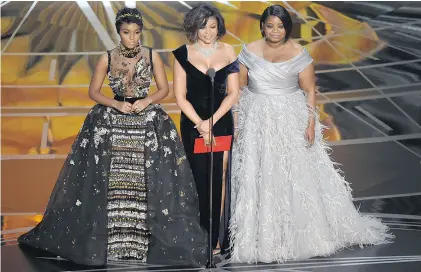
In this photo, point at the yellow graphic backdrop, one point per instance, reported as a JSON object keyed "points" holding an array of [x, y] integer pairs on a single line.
{"points": [[48, 63], [49, 50]]}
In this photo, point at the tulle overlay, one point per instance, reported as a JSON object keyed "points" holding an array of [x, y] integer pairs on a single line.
{"points": [[289, 201], [164, 229], [126, 190]]}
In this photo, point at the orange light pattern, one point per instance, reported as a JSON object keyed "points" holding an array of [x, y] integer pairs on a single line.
{"points": [[42, 115]]}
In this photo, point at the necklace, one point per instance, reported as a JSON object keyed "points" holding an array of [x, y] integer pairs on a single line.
{"points": [[128, 52], [205, 51]]}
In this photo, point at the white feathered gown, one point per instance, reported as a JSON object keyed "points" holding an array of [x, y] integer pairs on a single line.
{"points": [[288, 200]]}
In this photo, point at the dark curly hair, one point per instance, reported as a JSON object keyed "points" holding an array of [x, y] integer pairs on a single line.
{"points": [[198, 17], [129, 16], [282, 14]]}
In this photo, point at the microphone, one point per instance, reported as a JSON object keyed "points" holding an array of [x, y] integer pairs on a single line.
{"points": [[211, 73]]}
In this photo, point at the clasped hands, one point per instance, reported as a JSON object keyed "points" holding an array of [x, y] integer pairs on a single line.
{"points": [[204, 131], [136, 107]]}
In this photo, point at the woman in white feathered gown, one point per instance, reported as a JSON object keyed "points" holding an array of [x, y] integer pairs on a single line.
{"points": [[288, 199]]}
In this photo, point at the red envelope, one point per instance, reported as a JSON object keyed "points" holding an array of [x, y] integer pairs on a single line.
{"points": [[222, 143]]}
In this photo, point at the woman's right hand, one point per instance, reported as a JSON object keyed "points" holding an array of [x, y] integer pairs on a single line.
{"points": [[202, 127], [124, 107]]}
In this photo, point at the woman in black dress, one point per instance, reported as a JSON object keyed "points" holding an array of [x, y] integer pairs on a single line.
{"points": [[204, 26]]}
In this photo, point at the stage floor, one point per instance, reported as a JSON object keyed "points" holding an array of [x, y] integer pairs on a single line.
{"points": [[404, 255]]}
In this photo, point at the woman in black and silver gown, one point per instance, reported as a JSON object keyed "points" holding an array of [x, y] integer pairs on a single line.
{"points": [[126, 190]]}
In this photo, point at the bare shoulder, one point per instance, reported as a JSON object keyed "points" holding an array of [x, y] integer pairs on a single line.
{"points": [[296, 48], [229, 51], [255, 47], [228, 48], [156, 59], [103, 57], [155, 55], [103, 60]]}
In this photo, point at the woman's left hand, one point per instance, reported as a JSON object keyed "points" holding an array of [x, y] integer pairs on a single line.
{"points": [[310, 134], [203, 127], [208, 139], [140, 105]]}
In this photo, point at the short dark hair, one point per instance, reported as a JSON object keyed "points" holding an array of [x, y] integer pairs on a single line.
{"points": [[198, 17], [129, 16], [280, 12]]}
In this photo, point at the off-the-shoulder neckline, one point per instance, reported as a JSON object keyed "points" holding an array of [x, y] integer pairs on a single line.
{"points": [[278, 62]]}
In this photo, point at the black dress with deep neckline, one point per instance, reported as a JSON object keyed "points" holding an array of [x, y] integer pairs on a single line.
{"points": [[198, 94]]}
